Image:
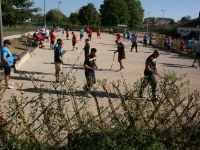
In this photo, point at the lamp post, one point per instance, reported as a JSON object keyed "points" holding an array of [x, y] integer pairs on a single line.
{"points": [[44, 16], [1, 31], [163, 14], [58, 15], [148, 20]]}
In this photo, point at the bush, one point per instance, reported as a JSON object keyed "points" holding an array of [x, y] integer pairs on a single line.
{"points": [[59, 117]]}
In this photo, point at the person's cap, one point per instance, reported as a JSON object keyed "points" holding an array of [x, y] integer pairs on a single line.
{"points": [[93, 50], [7, 42]]}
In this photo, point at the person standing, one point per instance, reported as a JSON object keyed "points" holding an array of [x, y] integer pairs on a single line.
{"points": [[63, 31], [134, 41], [90, 67], [150, 40], [47, 35], [124, 33], [197, 57], [121, 54], [58, 59], [128, 35], [169, 44], [86, 47], [181, 47], [149, 73], [90, 34], [81, 34], [52, 38], [74, 41], [67, 34], [145, 38], [98, 34], [7, 62]]}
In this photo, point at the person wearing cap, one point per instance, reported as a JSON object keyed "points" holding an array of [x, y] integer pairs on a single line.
{"points": [[134, 41], [90, 67], [7, 62], [121, 54], [118, 37], [58, 59], [86, 47], [149, 73], [74, 41]]}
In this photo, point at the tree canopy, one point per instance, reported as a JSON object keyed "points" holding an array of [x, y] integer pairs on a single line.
{"points": [[74, 18], [16, 11], [185, 18], [114, 12], [88, 15]]}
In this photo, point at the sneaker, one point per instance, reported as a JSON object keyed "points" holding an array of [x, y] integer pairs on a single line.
{"points": [[10, 87], [11, 83], [88, 95]]}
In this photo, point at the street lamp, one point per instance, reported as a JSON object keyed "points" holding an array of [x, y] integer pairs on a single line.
{"points": [[58, 15], [148, 20], [163, 14], [44, 16]]}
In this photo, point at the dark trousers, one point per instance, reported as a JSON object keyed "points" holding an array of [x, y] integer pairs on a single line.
{"points": [[134, 44], [91, 80], [148, 80], [145, 43], [150, 42]]}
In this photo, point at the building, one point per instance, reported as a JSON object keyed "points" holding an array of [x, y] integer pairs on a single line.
{"points": [[190, 26], [158, 20]]}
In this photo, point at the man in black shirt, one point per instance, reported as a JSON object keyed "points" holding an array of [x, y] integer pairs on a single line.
{"points": [[121, 54], [90, 65], [86, 47], [150, 72]]}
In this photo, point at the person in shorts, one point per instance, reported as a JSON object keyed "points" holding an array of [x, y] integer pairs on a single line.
{"points": [[169, 44], [90, 34], [90, 67], [74, 41], [7, 62], [181, 47], [197, 57], [53, 38], [67, 34], [121, 54], [134, 41], [81, 33], [98, 34], [59, 60]]}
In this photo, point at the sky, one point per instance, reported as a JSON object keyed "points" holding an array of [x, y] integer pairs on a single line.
{"points": [[175, 9]]}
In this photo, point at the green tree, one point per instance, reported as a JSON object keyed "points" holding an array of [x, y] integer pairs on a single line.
{"points": [[153, 20], [53, 15], [185, 18], [88, 15], [172, 22], [136, 13], [16, 11], [74, 18], [114, 12]]}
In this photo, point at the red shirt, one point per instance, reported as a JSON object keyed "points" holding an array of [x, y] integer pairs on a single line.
{"points": [[67, 31], [90, 32], [98, 31], [39, 36], [118, 36], [74, 38], [53, 36], [181, 44]]}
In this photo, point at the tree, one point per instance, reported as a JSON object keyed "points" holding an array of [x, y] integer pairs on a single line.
{"points": [[185, 18], [136, 13], [16, 11], [53, 15], [172, 22], [153, 20], [74, 18], [88, 15], [114, 12]]}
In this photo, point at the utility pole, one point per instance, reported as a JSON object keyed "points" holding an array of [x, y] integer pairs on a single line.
{"points": [[148, 20], [163, 14]]}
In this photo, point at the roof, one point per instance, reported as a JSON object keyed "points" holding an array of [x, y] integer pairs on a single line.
{"points": [[192, 24]]}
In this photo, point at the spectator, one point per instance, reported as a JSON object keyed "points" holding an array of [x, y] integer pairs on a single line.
{"points": [[7, 62]]}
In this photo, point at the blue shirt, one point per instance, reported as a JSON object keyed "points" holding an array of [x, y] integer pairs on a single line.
{"points": [[55, 46], [198, 49], [128, 33], [124, 31], [81, 32], [134, 38], [150, 38], [6, 52], [145, 37]]}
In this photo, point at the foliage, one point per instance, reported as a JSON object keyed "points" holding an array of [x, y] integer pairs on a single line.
{"points": [[114, 12], [74, 18], [172, 22], [169, 32], [60, 117], [15, 12], [136, 13], [88, 15], [185, 18], [53, 15]]}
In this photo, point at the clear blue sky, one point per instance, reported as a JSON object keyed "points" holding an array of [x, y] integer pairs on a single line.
{"points": [[175, 9]]}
